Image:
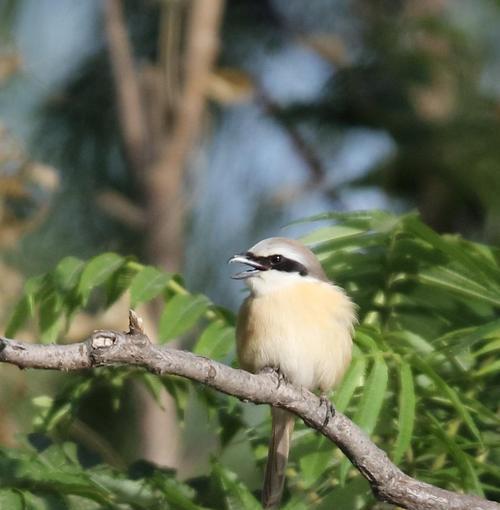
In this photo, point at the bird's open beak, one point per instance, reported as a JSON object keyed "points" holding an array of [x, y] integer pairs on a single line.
{"points": [[255, 267]]}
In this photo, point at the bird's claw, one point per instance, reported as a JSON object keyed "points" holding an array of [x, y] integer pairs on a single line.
{"points": [[277, 373], [329, 410]]}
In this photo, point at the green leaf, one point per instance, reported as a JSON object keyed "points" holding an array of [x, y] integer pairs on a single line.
{"points": [[448, 391], [365, 337], [178, 495], [43, 401], [458, 340], [493, 345], [459, 284], [147, 284], [329, 233], [352, 380], [236, 494], [53, 502], [313, 465], [474, 270], [54, 416], [97, 271], [134, 492], [216, 341], [22, 312], [491, 368], [418, 344], [76, 503], [180, 314], [406, 421], [11, 499], [67, 272], [25, 307], [371, 403], [297, 503], [118, 283], [353, 496], [366, 220], [373, 396], [461, 459], [51, 317]]}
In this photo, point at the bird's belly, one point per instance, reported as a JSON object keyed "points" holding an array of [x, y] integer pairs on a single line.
{"points": [[310, 349]]}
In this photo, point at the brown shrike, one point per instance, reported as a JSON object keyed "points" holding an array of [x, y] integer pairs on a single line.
{"points": [[297, 322]]}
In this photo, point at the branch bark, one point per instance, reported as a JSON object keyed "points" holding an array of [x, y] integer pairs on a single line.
{"points": [[134, 348]]}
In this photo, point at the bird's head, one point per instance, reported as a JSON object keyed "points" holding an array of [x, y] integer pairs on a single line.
{"points": [[277, 262]]}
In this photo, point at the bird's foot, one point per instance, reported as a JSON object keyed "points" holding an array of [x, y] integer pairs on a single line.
{"points": [[329, 410], [277, 373]]}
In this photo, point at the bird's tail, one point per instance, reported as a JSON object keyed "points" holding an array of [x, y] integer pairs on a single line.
{"points": [[279, 446]]}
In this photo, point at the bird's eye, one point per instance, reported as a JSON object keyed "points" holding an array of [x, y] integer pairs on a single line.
{"points": [[276, 259]]}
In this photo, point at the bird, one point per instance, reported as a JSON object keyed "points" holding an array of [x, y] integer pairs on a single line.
{"points": [[294, 321]]}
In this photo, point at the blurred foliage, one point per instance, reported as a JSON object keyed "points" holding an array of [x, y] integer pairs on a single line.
{"points": [[423, 382], [26, 188], [423, 73], [422, 80]]}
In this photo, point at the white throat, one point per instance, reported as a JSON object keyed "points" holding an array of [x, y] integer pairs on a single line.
{"points": [[267, 282]]}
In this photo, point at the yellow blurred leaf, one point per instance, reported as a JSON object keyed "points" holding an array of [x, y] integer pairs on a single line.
{"points": [[229, 85]]}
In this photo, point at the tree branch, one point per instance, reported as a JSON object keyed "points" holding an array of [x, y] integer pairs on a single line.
{"points": [[130, 108], [164, 181], [104, 348]]}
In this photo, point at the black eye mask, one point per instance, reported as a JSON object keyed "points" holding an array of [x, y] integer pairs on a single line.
{"points": [[278, 262]]}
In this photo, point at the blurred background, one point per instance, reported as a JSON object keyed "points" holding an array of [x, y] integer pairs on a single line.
{"points": [[183, 131]]}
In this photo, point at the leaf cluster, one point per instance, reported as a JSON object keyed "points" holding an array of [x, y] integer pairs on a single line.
{"points": [[423, 382]]}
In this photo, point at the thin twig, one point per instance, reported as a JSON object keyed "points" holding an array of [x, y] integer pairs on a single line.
{"points": [[301, 145]]}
